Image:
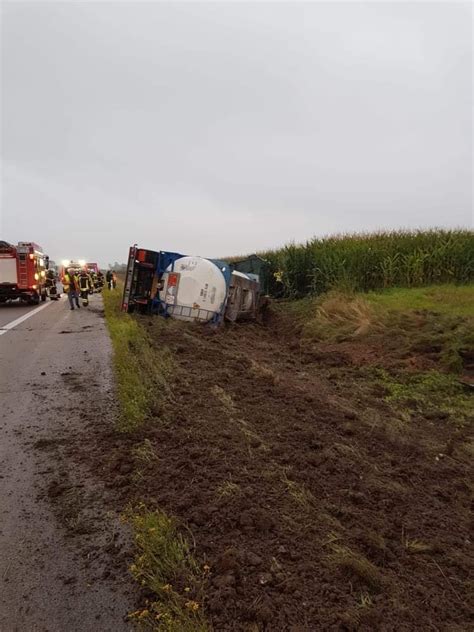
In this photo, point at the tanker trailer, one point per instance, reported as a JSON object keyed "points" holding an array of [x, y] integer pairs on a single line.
{"points": [[188, 288]]}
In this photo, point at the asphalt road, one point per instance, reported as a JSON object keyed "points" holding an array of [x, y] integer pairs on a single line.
{"points": [[48, 579], [11, 311]]}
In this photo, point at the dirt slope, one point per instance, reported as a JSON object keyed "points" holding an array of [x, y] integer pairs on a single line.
{"points": [[316, 506]]}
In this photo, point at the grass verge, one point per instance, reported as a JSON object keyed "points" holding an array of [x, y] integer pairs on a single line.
{"points": [[164, 566], [437, 320], [456, 300], [141, 373], [338, 316]]}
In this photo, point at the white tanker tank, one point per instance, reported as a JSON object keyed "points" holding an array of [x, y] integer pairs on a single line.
{"points": [[194, 288]]}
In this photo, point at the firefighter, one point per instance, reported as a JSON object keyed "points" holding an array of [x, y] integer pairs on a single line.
{"points": [[95, 283], [279, 289], [100, 280], [108, 278], [71, 287], [51, 285], [86, 287]]}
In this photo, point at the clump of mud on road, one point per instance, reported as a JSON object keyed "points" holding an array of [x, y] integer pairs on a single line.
{"points": [[315, 499]]}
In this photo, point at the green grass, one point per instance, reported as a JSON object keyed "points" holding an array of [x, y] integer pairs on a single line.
{"points": [[457, 300], [165, 566], [364, 262], [440, 318], [436, 321], [141, 373]]}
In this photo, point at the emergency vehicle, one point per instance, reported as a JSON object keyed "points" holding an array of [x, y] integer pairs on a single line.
{"points": [[96, 275], [22, 272], [67, 265], [92, 268]]}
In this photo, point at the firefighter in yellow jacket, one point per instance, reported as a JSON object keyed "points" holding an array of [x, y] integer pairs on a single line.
{"points": [[71, 287], [86, 286]]}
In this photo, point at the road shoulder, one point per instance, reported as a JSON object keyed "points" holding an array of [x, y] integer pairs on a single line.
{"points": [[62, 541]]}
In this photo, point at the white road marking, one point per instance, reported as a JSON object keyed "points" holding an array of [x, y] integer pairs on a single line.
{"points": [[14, 323]]}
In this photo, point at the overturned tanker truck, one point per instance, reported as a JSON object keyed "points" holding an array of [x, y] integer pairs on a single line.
{"points": [[192, 288]]}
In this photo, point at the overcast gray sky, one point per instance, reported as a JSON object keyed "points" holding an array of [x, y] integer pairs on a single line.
{"points": [[219, 129]]}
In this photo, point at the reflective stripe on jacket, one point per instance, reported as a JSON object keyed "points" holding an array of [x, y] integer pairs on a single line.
{"points": [[85, 282]]}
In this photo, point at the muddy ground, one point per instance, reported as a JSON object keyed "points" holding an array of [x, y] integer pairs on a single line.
{"points": [[316, 503]]}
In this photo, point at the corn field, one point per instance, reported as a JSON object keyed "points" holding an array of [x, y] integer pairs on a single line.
{"points": [[364, 262]]}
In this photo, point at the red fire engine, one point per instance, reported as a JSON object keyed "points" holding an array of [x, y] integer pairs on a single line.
{"points": [[22, 272], [92, 268]]}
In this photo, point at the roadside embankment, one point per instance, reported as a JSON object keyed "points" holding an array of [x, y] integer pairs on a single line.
{"points": [[306, 473]]}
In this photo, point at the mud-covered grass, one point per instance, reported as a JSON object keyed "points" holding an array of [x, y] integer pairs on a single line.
{"points": [[141, 373], [165, 566], [304, 482], [433, 394]]}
